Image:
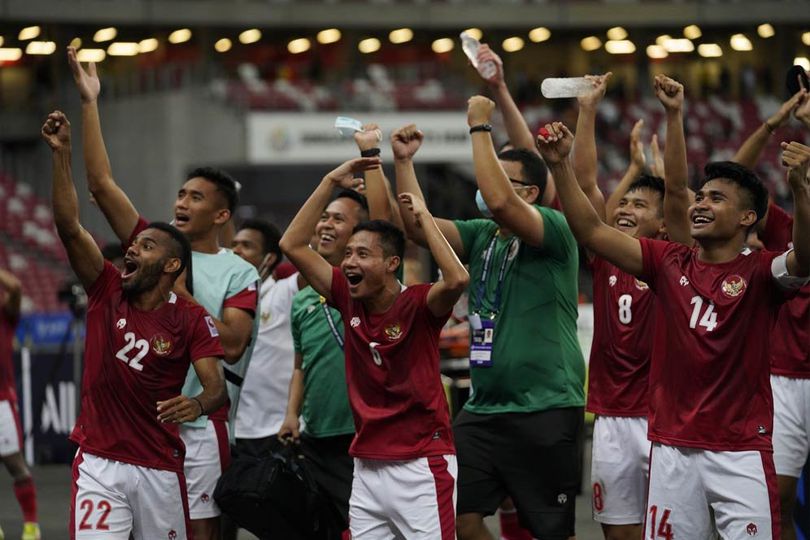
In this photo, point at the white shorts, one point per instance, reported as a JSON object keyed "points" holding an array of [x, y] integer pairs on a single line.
{"points": [[207, 455], [413, 500], [111, 500], [10, 430], [739, 487], [791, 424], [619, 469]]}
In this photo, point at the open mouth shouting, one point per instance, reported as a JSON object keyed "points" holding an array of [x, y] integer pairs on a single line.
{"points": [[354, 278], [625, 223], [181, 219], [327, 239], [130, 268]]}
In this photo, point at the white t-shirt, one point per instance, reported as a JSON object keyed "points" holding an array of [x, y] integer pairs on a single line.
{"points": [[263, 402]]}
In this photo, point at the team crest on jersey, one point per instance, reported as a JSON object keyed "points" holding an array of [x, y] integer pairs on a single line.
{"points": [[612, 280], [733, 286], [121, 324], [640, 285], [161, 345], [355, 322], [513, 250], [393, 331], [751, 529], [265, 317]]}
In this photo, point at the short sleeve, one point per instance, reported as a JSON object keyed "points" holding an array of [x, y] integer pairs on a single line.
{"points": [[108, 280], [139, 228], [652, 253], [778, 233], [421, 293], [340, 291], [469, 230], [245, 299], [205, 338], [558, 240]]}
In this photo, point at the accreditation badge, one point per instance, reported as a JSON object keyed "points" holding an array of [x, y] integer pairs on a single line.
{"points": [[483, 334]]}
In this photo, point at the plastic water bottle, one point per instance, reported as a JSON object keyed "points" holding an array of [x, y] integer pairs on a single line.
{"points": [[569, 87], [470, 47]]}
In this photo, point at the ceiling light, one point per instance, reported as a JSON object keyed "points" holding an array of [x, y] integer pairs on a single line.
{"points": [[617, 33], [662, 38], [400, 35], [91, 55], [1, 41], [250, 36], [623, 46], [330, 35], [299, 45], [710, 50], [513, 44], [765, 31], [657, 51], [802, 61], [105, 34], [692, 31], [590, 43], [740, 43], [40, 47], [123, 48], [806, 38], [475, 32], [180, 36], [76, 43], [29, 32], [369, 45], [147, 45], [10, 55], [223, 45], [443, 45], [682, 45], [540, 34]]}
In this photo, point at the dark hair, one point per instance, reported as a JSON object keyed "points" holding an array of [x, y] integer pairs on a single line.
{"points": [[270, 236], [112, 251], [356, 196], [224, 182], [652, 183], [392, 238], [534, 168], [756, 194], [179, 247]]}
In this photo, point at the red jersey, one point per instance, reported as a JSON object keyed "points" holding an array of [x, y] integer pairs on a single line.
{"points": [[790, 350], [709, 377], [392, 370], [132, 360], [624, 322], [8, 386]]}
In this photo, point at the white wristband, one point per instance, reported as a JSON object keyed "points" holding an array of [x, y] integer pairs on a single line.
{"points": [[779, 271]]}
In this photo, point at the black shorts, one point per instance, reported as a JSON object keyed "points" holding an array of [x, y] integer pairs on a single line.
{"points": [[534, 458], [332, 468]]}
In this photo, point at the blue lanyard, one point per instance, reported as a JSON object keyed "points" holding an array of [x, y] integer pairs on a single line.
{"points": [[490, 252], [332, 326]]}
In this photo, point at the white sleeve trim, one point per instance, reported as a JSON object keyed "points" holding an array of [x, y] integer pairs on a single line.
{"points": [[779, 271]]}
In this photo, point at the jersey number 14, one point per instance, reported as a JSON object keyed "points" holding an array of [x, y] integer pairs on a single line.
{"points": [[709, 318]]}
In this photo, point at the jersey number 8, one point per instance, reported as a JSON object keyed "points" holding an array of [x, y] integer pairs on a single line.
{"points": [[625, 309]]}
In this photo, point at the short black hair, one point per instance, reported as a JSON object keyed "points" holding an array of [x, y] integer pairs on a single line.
{"points": [[271, 235], [756, 194], [224, 182], [112, 251], [534, 168], [180, 247], [652, 183], [392, 238], [357, 197]]}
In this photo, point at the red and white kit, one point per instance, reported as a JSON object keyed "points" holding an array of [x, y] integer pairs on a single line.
{"points": [[129, 468], [711, 408], [10, 430], [405, 466]]}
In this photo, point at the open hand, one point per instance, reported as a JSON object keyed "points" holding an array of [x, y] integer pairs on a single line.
{"points": [[344, 175], [86, 81], [56, 131], [555, 144], [796, 157], [178, 410], [637, 156], [781, 116]]}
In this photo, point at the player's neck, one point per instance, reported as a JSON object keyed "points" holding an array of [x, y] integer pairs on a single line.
{"points": [[383, 300], [205, 244], [152, 299], [719, 251], [503, 232]]}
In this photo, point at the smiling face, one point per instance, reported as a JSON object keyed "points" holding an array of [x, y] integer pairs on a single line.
{"points": [[200, 209], [721, 211], [147, 260], [249, 244], [366, 265], [640, 214], [335, 227]]}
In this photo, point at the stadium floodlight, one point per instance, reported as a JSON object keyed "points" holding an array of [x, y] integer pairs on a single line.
{"points": [[765, 31], [682, 45], [806, 38], [10, 54], [123, 48], [369, 45], [710, 50], [1, 41], [802, 61], [148, 45], [76, 43], [590, 43], [400, 35], [40, 48], [656, 52], [442, 45], [29, 32], [91, 55], [621, 46], [299, 45], [180, 36], [740, 43], [475, 32], [223, 45], [250, 36], [330, 35], [105, 34], [692, 32], [662, 38], [617, 33], [513, 44], [540, 34]]}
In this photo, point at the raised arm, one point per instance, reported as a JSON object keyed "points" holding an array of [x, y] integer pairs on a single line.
{"points": [[381, 201], [586, 165], [180, 409], [634, 170], [676, 173], [84, 255], [751, 150], [508, 208], [796, 157], [591, 232], [13, 288], [443, 294], [405, 142], [295, 242], [113, 202]]}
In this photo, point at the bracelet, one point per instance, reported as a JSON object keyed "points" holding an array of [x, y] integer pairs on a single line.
{"points": [[481, 127], [202, 409], [768, 127], [371, 152]]}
